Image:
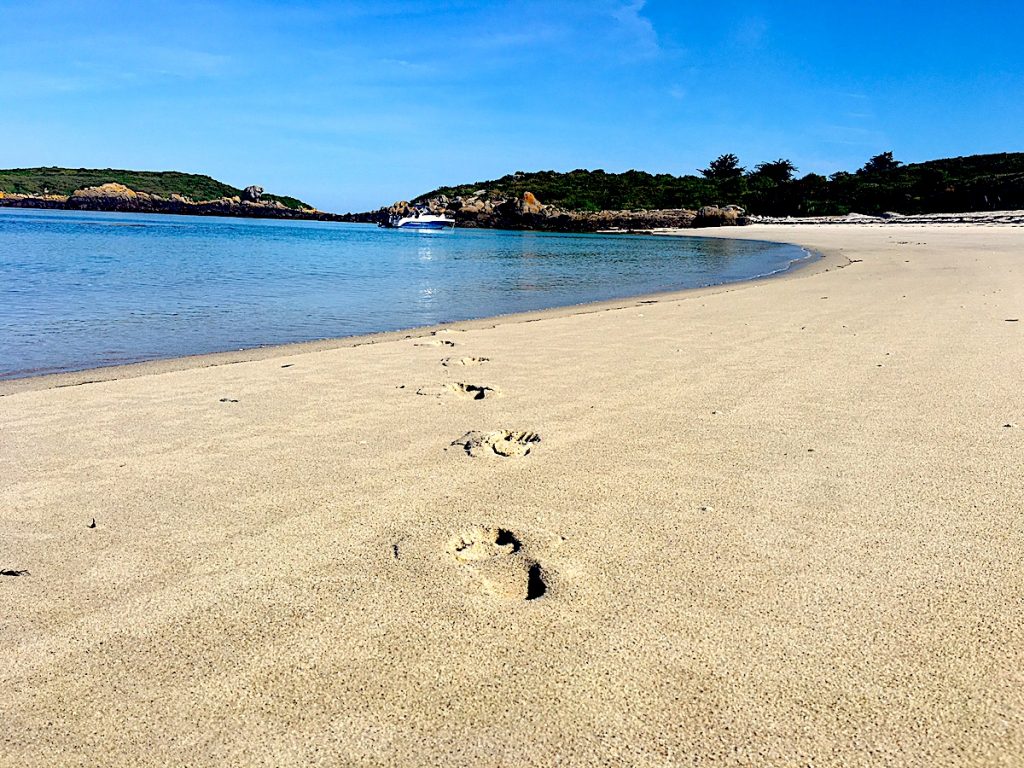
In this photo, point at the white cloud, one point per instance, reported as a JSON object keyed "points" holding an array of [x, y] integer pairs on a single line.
{"points": [[637, 27]]}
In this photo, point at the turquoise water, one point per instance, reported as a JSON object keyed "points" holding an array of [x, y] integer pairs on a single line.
{"points": [[82, 290]]}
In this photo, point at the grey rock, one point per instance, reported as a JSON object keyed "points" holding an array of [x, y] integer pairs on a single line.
{"points": [[252, 194]]}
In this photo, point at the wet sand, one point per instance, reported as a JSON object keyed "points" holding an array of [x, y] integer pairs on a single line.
{"points": [[776, 523]]}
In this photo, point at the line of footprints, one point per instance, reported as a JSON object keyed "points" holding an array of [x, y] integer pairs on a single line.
{"points": [[495, 557]]}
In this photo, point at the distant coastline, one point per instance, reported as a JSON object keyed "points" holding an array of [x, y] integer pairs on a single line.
{"points": [[118, 198], [580, 201], [231, 207], [128, 191], [525, 213]]}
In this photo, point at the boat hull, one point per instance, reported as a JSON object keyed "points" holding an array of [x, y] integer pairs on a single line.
{"points": [[425, 225]]}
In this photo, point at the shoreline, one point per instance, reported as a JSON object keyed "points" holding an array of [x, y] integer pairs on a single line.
{"points": [[34, 382], [225, 209]]}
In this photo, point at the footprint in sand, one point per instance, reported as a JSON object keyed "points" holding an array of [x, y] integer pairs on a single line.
{"points": [[496, 558], [435, 343], [450, 362], [501, 442], [13, 573], [467, 391]]}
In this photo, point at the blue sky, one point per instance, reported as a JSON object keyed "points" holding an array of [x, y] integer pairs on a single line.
{"points": [[352, 105]]}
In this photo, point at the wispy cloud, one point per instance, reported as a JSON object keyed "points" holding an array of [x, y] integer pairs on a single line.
{"points": [[637, 28], [108, 65], [609, 29]]}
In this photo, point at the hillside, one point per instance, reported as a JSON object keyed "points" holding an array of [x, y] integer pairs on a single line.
{"points": [[583, 190], [975, 183], [64, 181]]}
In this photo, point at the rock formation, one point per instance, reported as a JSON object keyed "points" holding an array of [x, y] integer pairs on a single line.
{"points": [[113, 196], [485, 209], [488, 209], [713, 216]]}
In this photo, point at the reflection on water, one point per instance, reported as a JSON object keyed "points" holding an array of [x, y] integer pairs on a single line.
{"points": [[80, 289], [426, 295]]}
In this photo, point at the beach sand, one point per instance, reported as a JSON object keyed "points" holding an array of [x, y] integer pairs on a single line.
{"points": [[771, 524]]}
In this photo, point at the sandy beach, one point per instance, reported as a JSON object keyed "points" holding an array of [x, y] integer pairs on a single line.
{"points": [[769, 524]]}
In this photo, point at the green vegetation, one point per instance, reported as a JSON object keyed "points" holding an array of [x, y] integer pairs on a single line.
{"points": [[594, 190], [975, 183], [64, 181], [285, 200]]}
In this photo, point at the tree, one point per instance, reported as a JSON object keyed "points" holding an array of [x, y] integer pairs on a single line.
{"points": [[881, 163], [723, 168], [811, 195], [777, 172], [770, 187]]}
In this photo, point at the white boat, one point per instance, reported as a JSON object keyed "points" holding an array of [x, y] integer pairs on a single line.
{"points": [[425, 221]]}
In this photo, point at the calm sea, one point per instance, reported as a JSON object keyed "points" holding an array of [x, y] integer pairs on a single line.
{"points": [[81, 290]]}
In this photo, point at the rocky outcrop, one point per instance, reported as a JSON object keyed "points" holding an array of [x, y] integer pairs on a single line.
{"points": [[117, 197], [488, 209], [113, 192], [485, 209], [16, 200], [529, 204], [399, 210], [713, 216]]}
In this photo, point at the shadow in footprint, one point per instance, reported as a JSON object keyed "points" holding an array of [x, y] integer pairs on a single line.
{"points": [[470, 391], [450, 362], [495, 558], [535, 586], [480, 542], [501, 442], [14, 573], [473, 391]]}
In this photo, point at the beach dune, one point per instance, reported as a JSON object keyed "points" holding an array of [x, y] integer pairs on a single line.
{"points": [[773, 523]]}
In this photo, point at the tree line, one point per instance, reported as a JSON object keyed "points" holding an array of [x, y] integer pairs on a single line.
{"points": [[774, 188]]}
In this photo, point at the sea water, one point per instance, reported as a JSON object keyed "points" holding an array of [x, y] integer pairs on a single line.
{"points": [[82, 289]]}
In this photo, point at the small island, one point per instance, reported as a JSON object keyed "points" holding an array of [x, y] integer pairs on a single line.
{"points": [[86, 189]]}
